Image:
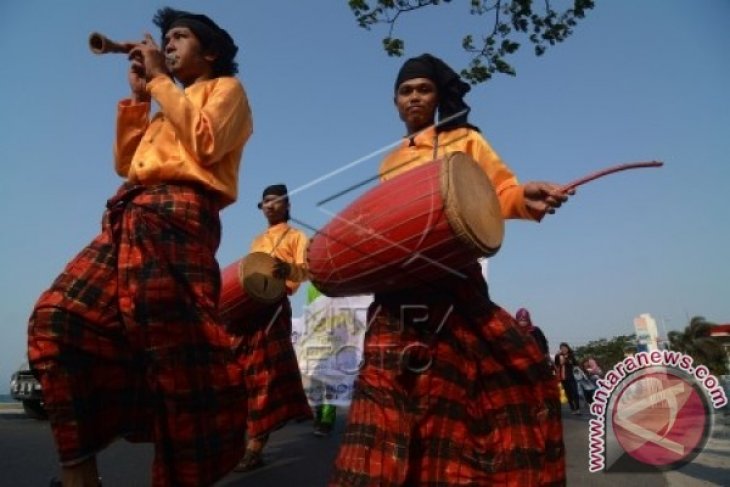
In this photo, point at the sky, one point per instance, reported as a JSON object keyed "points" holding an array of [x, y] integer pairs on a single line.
{"points": [[639, 80]]}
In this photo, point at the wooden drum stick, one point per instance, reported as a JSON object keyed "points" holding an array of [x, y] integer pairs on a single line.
{"points": [[609, 170]]}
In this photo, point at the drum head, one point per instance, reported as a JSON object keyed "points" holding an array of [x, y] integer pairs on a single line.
{"points": [[472, 207], [256, 278]]}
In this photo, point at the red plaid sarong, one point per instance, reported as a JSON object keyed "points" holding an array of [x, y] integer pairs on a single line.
{"points": [[451, 398], [127, 342], [271, 372]]}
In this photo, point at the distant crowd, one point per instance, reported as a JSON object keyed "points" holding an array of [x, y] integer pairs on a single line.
{"points": [[578, 377]]}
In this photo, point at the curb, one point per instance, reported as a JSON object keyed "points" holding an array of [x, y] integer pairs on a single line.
{"points": [[11, 408]]}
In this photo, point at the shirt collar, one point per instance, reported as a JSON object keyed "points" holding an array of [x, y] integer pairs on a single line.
{"points": [[427, 137], [423, 138], [278, 227]]}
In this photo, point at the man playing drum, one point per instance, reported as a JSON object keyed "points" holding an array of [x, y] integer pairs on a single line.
{"points": [[265, 352], [450, 391], [127, 341]]}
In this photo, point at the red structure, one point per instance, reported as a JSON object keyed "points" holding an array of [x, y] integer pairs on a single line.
{"points": [[722, 334]]}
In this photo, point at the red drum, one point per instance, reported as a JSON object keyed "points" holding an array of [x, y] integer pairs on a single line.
{"points": [[248, 286], [424, 224]]}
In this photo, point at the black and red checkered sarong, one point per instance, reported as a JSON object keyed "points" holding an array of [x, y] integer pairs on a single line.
{"points": [[451, 392], [271, 372], [127, 341]]}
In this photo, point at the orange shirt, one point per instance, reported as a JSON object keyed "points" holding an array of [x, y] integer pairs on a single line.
{"points": [[288, 244], [197, 135], [420, 150]]}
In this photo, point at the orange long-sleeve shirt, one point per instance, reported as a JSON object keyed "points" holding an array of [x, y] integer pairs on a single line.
{"points": [[420, 150], [288, 244], [197, 135]]}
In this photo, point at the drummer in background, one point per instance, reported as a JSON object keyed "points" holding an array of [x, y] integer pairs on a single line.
{"points": [[457, 395], [271, 370]]}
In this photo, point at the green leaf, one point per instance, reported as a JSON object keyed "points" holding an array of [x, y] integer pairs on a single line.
{"points": [[393, 46], [468, 43], [509, 47], [504, 67], [504, 29]]}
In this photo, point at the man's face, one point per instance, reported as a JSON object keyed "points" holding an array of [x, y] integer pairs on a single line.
{"points": [[274, 208], [417, 100], [184, 56]]}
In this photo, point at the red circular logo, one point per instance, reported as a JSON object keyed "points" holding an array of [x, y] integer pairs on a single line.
{"points": [[661, 419]]}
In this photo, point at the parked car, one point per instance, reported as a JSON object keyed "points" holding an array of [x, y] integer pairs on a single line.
{"points": [[24, 387]]}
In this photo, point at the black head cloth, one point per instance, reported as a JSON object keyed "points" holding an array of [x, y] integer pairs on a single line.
{"points": [[212, 38], [449, 85]]}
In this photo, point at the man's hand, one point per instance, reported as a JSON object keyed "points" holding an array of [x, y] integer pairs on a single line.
{"points": [[542, 197], [147, 59], [137, 80], [282, 270]]}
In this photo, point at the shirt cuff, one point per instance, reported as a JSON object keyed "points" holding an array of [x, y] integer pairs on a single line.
{"points": [[133, 112], [513, 204], [159, 83], [129, 105]]}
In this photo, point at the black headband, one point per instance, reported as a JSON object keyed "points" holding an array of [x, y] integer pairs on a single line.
{"points": [[210, 35], [417, 67], [449, 86], [202, 30]]}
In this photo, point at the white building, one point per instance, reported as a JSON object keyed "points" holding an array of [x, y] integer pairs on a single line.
{"points": [[646, 333]]}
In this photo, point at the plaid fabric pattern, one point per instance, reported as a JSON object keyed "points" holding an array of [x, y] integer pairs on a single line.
{"points": [[270, 369], [448, 398], [126, 342]]}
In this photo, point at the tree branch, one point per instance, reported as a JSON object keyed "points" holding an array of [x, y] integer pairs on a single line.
{"points": [[541, 29]]}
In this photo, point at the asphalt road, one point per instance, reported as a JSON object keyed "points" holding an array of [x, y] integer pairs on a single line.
{"points": [[295, 457]]}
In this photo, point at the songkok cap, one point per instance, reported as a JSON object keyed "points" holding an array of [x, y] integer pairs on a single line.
{"points": [[449, 85], [275, 190]]}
